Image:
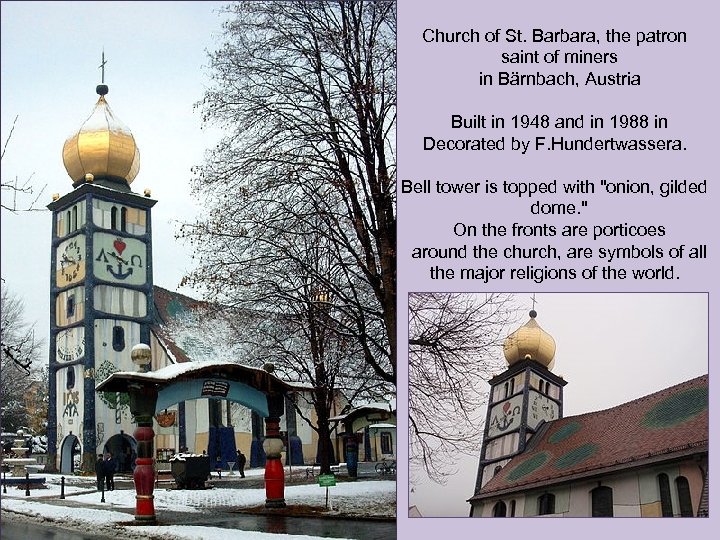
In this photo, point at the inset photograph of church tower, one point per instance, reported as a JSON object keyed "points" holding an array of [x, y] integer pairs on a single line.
{"points": [[632, 441]]}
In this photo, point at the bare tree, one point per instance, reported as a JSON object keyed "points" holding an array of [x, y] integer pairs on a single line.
{"points": [[18, 352], [36, 401], [306, 92], [311, 347], [293, 323], [16, 190], [454, 348]]}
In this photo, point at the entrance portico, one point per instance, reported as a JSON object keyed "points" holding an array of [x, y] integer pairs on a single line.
{"points": [[153, 391]]}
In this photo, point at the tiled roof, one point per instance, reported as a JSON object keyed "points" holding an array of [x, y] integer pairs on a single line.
{"points": [[168, 305], [666, 424], [172, 348]]}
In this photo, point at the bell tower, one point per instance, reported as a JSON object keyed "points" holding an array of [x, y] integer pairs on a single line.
{"points": [[522, 397], [100, 287]]}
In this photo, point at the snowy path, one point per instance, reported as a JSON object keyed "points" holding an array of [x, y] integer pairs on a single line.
{"points": [[82, 509]]}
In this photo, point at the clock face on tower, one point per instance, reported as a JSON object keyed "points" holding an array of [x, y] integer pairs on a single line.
{"points": [[119, 260], [70, 261], [70, 345], [542, 408]]}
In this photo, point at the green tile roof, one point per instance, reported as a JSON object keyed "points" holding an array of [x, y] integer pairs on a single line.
{"points": [[666, 423]]}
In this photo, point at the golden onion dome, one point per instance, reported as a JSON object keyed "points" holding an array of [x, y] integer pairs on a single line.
{"points": [[530, 342], [103, 147]]}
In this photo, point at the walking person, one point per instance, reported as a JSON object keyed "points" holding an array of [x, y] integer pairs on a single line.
{"points": [[218, 466], [241, 460], [100, 472], [109, 467]]}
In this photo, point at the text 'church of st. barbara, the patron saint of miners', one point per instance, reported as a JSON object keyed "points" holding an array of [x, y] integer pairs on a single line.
{"points": [[644, 458]]}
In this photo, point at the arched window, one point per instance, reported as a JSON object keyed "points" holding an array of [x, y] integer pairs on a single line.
{"points": [[507, 388], [665, 498], [70, 383], [512, 508], [683, 489], [546, 504], [113, 217], [123, 218], [118, 338], [498, 468], [512, 386], [499, 510], [70, 306], [74, 218], [602, 502]]}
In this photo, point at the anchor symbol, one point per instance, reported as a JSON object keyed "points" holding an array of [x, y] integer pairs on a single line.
{"points": [[508, 417], [506, 423], [119, 246]]}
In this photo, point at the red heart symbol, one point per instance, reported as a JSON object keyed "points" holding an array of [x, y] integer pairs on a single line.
{"points": [[506, 407], [119, 246]]}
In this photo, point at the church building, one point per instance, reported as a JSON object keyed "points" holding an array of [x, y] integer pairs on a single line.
{"points": [[644, 458], [104, 303]]}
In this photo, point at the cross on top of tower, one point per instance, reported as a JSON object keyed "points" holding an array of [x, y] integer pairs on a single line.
{"points": [[102, 67]]}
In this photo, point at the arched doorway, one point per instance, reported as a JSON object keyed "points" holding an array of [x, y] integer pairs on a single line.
{"points": [[123, 449], [70, 453]]}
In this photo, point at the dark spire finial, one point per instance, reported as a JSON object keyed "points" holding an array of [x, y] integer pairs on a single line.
{"points": [[102, 88]]}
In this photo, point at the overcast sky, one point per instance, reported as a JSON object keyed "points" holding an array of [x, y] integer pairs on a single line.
{"points": [[155, 55], [611, 348]]}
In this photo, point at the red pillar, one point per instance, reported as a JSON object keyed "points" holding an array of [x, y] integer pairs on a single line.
{"points": [[144, 474], [274, 471]]}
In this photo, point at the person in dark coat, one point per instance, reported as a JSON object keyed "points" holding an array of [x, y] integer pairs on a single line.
{"points": [[241, 459], [109, 467], [100, 472]]}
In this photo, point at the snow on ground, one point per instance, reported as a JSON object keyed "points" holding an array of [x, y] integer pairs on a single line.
{"points": [[212, 533], [82, 506]]}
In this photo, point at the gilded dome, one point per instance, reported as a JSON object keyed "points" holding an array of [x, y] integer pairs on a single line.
{"points": [[530, 342], [103, 147]]}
